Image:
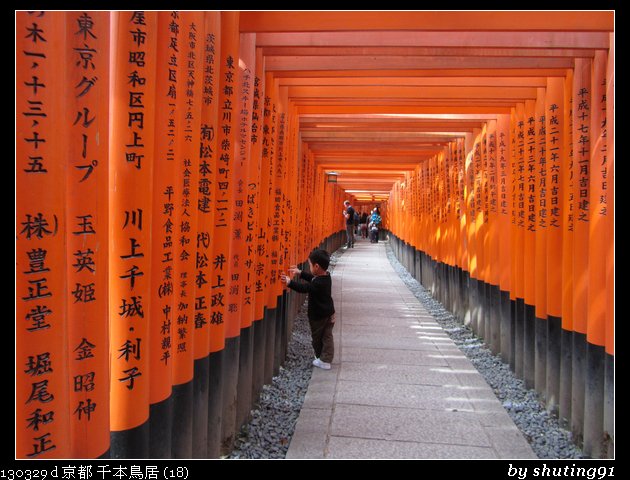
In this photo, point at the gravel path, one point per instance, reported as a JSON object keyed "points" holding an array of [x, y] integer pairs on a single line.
{"points": [[271, 427], [542, 431], [269, 432]]}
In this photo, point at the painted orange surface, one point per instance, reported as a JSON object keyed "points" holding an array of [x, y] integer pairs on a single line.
{"points": [[528, 200], [205, 210], [187, 161], [582, 114], [543, 191], [256, 174], [568, 205], [224, 182], [554, 126], [504, 173], [493, 179], [160, 311], [238, 182], [430, 21], [610, 226], [483, 207], [249, 175], [42, 414], [261, 268], [553, 40], [518, 202], [130, 187], [598, 207], [87, 194]]}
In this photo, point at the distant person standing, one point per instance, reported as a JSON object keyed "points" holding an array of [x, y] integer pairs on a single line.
{"points": [[363, 224], [348, 213], [375, 224]]}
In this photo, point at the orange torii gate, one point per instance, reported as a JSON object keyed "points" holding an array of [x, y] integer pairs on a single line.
{"points": [[199, 146]]}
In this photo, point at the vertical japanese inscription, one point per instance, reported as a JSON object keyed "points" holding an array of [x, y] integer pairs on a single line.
{"points": [[249, 175], [530, 174], [204, 191], [205, 184], [581, 149], [461, 175], [252, 197], [569, 174], [492, 195], [601, 207], [187, 186], [514, 131], [166, 225], [164, 188], [542, 187], [183, 207], [240, 92], [254, 192], [279, 199], [40, 248], [130, 222], [520, 172], [131, 188], [87, 198], [271, 244], [483, 191], [554, 142], [503, 159], [222, 187], [265, 187]]}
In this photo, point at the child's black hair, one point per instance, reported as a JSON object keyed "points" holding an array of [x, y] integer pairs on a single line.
{"points": [[320, 257]]}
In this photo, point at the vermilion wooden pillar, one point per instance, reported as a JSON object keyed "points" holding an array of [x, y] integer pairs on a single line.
{"points": [[87, 117], [133, 70], [255, 191], [188, 111], [609, 430], [244, 204], [543, 192], [226, 182], [568, 202], [505, 211], [210, 339], [42, 348], [594, 441], [160, 310], [582, 111], [555, 132], [203, 445]]}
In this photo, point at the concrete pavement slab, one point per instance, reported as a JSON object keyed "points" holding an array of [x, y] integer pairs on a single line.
{"points": [[353, 448], [428, 397], [404, 374], [408, 424], [392, 356]]}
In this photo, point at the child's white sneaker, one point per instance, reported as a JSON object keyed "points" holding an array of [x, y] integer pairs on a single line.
{"points": [[323, 365]]}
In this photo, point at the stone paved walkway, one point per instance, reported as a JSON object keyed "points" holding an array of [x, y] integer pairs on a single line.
{"points": [[399, 387]]}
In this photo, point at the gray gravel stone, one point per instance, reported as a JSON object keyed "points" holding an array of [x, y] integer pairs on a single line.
{"points": [[546, 437]]}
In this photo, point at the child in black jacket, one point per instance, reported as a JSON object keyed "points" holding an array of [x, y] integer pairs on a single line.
{"points": [[321, 309]]}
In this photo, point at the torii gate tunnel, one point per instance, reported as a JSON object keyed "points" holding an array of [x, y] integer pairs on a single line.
{"points": [[170, 165]]}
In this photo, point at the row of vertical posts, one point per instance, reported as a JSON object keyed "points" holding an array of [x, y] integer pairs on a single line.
{"points": [[162, 187], [511, 227]]}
